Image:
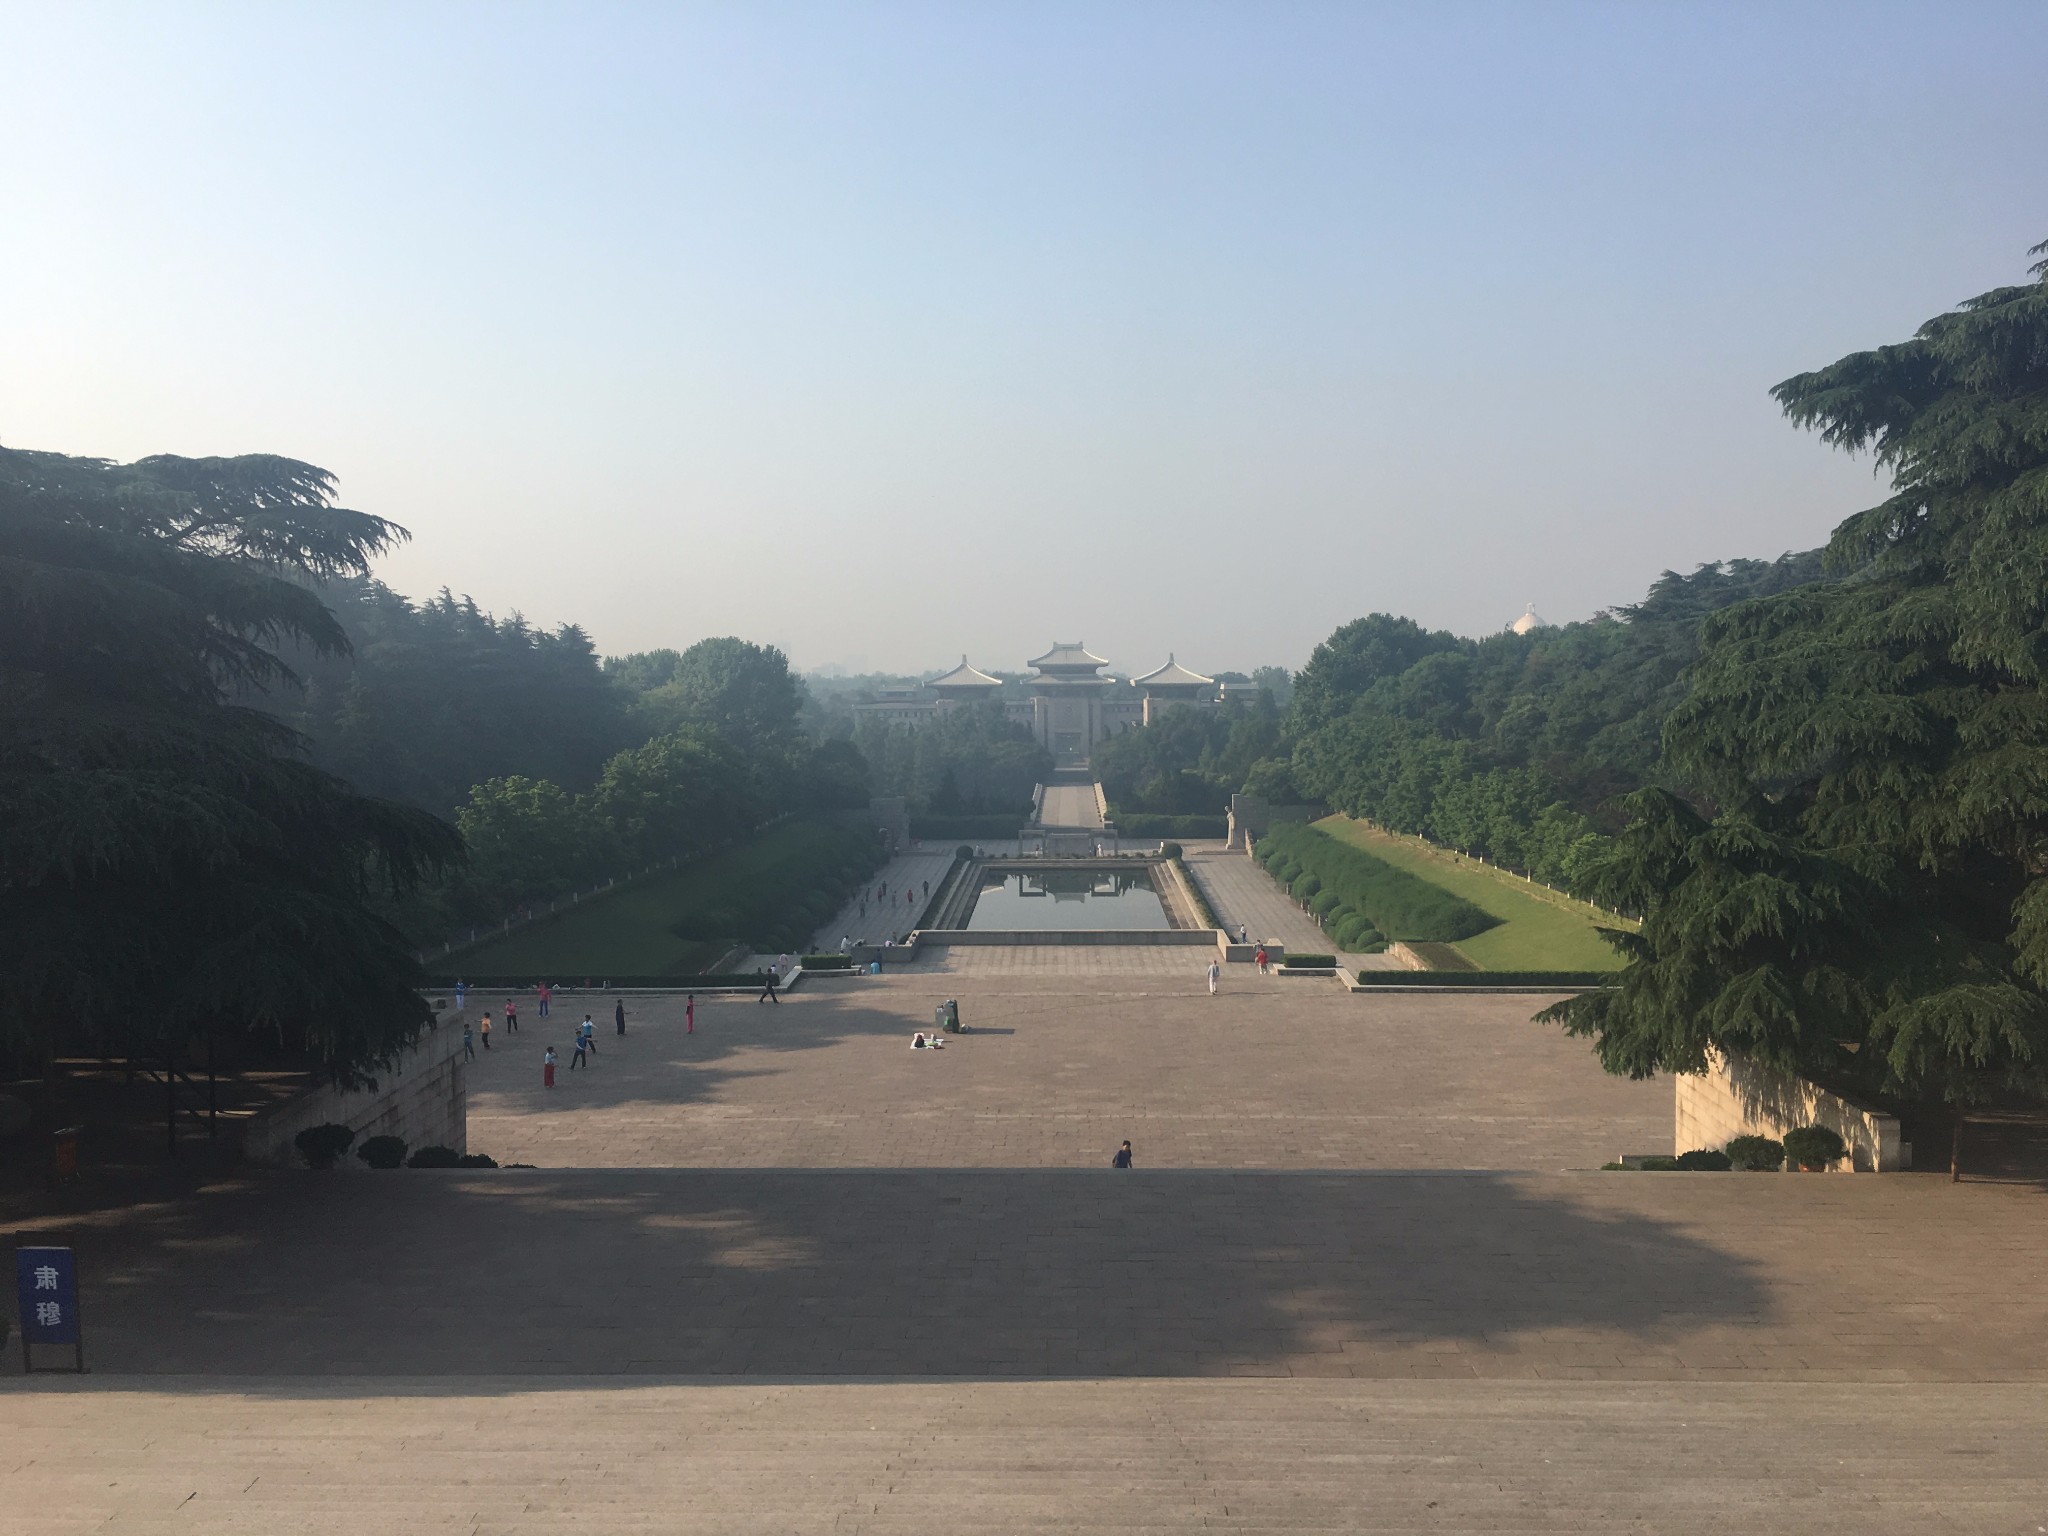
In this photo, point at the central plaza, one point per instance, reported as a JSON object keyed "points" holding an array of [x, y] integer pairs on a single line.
{"points": [[784, 1273]]}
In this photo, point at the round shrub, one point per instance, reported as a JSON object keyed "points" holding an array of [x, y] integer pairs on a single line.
{"points": [[1703, 1160], [476, 1160], [433, 1157], [1355, 934], [1756, 1154], [1814, 1146], [1304, 886], [1170, 850], [383, 1151], [964, 851], [322, 1145], [1323, 903]]}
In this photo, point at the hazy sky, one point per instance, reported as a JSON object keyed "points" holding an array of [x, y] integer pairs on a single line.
{"points": [[885, 332]]}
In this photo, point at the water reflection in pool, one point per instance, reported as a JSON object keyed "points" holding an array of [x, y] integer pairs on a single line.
{"points": [[1119, 900]]}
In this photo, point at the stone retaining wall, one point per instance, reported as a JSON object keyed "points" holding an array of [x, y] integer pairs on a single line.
{"points": [[979, 936], [423, 1098], [1736, 1097]]}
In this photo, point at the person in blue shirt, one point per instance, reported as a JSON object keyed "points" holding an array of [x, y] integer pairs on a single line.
{"points": [[1122, 1158]]}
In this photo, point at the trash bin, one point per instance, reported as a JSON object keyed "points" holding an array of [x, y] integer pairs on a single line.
{"points": [[947, 1016], [64, 1156]]}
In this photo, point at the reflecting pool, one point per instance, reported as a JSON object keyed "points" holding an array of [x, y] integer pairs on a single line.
{"points": [[1120, 900]]}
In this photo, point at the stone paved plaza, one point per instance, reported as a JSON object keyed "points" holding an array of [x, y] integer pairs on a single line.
{"points": [[1242, 893], [426, 1455], [1077, 1049], [787, 1275]]}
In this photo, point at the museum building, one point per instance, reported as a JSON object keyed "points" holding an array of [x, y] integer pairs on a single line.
{"points": [[1067, 702]]}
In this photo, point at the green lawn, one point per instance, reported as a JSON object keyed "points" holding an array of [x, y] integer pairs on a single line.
{"points": [[1540, 930], [630, 931], [620, 933]]}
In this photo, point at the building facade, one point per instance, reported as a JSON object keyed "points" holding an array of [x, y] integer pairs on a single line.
{"points": [[1067, 702]]}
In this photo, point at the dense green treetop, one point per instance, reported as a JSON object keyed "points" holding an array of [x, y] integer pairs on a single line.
{"points": [[1856, 889], [430, 698], [743, 691], [168, 862], [1353, 659], [1188, 761]]}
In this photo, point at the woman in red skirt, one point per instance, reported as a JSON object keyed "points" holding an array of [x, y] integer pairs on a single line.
{"points": [[547, 1068]]}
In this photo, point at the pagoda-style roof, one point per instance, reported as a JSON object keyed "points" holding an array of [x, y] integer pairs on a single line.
{"points": [[1067, 658], [1173, 675], [964, 676]]}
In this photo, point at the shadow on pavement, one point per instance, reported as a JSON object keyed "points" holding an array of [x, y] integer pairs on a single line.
{"points": [[889, 1273]]}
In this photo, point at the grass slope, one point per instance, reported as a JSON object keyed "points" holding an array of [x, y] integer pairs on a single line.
{"points": [[1540, 930], [630, 931]]}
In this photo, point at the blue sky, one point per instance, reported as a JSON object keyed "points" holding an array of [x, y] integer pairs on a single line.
{"points": [[883, 332]]}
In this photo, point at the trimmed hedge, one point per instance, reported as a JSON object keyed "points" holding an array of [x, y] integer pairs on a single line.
{"points": [[1704, 1160], [1756, 1154], [1398, 904], [322, 1145], [828, 962], [1295, 962], [1535, 980], [1355, 932], [1814, 1146]]}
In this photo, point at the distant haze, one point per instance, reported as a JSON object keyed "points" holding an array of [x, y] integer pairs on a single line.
{"points": [[887, 332]]}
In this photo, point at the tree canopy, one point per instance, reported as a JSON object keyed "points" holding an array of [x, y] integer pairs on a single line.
{"points": [[743, 691], [1858, 887], [429, 698], [169, 863]]}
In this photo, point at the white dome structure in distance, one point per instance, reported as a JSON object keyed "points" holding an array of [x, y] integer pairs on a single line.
{"points": [[1528, 621]]}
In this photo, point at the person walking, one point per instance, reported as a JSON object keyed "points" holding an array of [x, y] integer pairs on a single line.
{"points": [[588, 1032], [511, 1017], [468, 1042], [485, 1031], [1215, 975], [927, 890], [546, 995], [547, 1067], [577, 1060], [768, 991], [461, 997], [619, 1015], [1259, 959], [690, 1015], [1122, 1158]]}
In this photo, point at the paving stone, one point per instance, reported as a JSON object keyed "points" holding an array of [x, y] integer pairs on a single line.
{"points": [[422, 1455], [1062, 1065]]}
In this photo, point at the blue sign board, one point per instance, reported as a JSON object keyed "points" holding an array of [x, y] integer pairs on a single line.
{"points": [[46, 1283]]}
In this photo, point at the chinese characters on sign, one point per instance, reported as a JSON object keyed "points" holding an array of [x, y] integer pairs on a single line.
{"points": [[46, 1285]]}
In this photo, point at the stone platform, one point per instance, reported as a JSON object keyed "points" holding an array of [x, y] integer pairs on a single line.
{"points": [[876, 1290], [1066, 1058]]}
